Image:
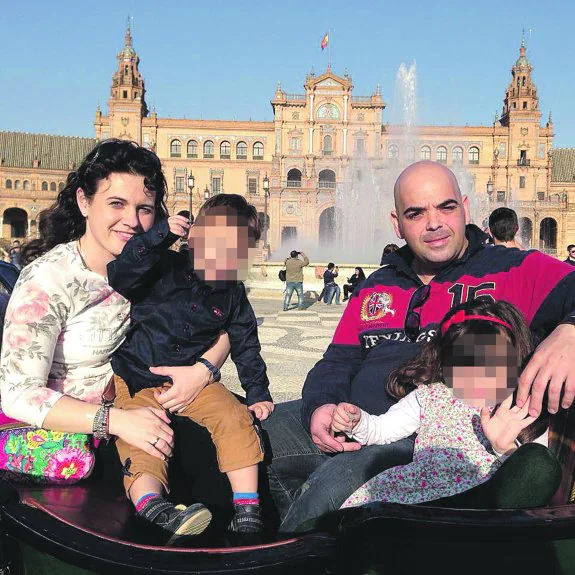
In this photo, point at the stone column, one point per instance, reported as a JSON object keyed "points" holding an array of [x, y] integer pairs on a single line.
{"points": [[311, 113]]}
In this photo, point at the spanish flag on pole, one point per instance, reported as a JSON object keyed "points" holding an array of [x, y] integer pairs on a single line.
{"points": [[325, 41]]}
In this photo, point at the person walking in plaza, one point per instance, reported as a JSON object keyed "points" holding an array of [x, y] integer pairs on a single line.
{"points": [[14, 254], [396, 310], [571, 255], [503, 227], [294, 278], [352, 282], [331, 289]]}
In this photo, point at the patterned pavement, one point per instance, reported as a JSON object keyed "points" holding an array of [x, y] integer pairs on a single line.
{"points": [[292, 343]]}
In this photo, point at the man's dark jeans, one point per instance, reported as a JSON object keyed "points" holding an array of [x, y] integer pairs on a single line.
{"points": [[305, 482]]}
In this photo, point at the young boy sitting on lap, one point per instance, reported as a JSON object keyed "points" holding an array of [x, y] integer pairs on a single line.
{"points": [[181, 302]]}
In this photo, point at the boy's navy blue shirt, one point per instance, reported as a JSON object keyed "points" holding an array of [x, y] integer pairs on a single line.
{"points": [[176, 317], [329, 277]]}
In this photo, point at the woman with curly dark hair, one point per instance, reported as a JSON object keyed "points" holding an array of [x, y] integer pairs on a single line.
{"points": [[466, 453], [64, 321]]}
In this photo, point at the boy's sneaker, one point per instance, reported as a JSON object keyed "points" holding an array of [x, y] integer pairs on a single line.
{"points": [[247, 519], [178, 520]]}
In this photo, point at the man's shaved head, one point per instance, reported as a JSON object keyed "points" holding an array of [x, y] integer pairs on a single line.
{"points": [[423, 170], [430, 215]]}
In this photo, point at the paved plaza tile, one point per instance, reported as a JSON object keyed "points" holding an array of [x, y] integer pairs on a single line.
{"points": [[292, 343]]}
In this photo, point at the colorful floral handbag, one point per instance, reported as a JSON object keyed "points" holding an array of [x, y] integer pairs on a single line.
{"points": [[32, 455]]}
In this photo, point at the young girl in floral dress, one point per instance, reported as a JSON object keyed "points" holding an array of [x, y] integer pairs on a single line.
{"points": [[466, 454]]}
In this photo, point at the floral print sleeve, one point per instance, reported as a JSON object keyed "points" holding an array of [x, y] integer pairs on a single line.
{"points": [[62, 324], [34, 318]]}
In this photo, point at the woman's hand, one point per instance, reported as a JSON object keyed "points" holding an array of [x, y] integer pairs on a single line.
{"points": [[345, 417], [503, 427], [262, 410], [179, 225], [188, 381], [146, 428]]}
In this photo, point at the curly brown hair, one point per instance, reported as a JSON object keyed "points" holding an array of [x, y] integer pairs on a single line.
{"points": [[427, 365]]}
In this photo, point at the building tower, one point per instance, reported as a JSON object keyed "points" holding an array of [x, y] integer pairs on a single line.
{"points": [[127, 104]]}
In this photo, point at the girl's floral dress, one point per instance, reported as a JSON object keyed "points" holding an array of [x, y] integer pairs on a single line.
{"points": [[62, 324], [451, 454]]}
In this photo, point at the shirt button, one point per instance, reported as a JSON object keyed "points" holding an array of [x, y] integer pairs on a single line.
{"points": [[160, 234], [177, 348], [142, 250], [194, 307], [186, 327]]}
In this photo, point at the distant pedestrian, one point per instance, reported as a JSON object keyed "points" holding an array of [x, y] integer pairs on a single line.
{"points": [[388, 249], [352, 283], [14, 254], [294, 278], [331, 289], [571, 257], [503, 227]]}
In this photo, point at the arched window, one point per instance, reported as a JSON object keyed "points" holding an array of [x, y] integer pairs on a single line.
{"points": [[327, 179], [425, 153], [225, 151], [192, 149], [60, 186], [175, 149], [393, 152], [294, 178], [8, 184], [26, 185], [258, 151], [457, 155], [242, 151], [52, 186], [17, 184], [44, 186], [327, 145], [208, 149], [442, 154], [474, 155]]}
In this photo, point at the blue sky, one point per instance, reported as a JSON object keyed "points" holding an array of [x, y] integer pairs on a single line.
{"points": [[223, 59]]}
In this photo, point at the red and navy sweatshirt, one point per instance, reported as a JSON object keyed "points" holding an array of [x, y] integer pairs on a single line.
{"points": [[370, 341]]}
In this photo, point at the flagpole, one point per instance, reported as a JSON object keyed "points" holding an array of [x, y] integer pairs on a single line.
{"points": [[329, 49]]}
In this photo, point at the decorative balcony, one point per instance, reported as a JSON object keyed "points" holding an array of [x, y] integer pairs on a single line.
{"points": [[523, 162], [330, 185]]}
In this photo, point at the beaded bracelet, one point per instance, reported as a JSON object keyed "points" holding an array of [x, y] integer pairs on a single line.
{"points": [[101, 425]]}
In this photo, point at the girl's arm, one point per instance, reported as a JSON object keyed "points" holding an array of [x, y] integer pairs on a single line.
{"points": [[400, 421]]}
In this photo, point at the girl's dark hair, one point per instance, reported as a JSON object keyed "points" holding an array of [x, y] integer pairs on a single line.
{"points": [[426, 366], [63, 222], [361, 274], [234, 204]]}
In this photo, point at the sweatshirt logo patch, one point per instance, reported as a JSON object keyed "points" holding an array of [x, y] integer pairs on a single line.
{"points": [[376, 306], [217, 311]]}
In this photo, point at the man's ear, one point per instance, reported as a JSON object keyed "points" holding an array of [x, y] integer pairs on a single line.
{"points": [[82, 201], [396, 225], [465, 202]]}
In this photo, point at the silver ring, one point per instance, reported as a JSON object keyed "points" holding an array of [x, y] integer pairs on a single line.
{"points": [[153, 443]]}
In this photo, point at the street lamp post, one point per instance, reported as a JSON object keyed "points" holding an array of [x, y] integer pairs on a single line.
{"points": [[489, 193], [207, 193], [266, 217], [191, 182]]}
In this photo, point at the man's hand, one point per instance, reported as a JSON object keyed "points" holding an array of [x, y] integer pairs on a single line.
{"points": [[503, 427], [323, 435], [551, 366], [179, 225], [188, 381], [262, 410], [345, 418]]}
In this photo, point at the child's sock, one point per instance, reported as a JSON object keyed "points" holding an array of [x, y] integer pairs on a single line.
{"points": [[246, 498], [144, 500]]}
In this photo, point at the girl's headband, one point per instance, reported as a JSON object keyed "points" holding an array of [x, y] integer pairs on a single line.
{"points": [[460, 317]]}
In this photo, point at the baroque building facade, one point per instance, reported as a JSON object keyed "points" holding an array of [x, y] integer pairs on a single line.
{"points": [[291, 168]]}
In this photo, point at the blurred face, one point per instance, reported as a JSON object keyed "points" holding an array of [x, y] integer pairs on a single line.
{"points": [[572, 253], [489, 373], [430, 214], [221, 248], [120, 208]]}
